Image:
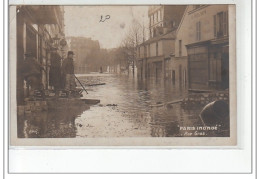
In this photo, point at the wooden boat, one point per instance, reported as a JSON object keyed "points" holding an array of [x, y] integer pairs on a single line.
{"points": [[216, 112]]}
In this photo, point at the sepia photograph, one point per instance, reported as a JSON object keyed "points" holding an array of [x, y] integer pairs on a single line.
{"points": [[153, 72]]}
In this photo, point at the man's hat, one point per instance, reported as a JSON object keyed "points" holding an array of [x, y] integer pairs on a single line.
{"points": [[70, 52]]}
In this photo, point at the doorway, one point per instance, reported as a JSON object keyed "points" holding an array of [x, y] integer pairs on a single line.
{"points": [[225, 71], [173, 77]]}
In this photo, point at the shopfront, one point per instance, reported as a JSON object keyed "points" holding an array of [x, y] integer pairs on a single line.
{"points": [[208, 65]]}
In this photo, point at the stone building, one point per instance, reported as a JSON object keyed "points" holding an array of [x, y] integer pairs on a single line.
{"points": [[86, 53], [154, 54], [163, 19], [40, 31], [201, 58]]}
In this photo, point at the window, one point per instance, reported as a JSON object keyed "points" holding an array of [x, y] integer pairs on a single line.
{"points": [[40, 48], [198, 31], [173, 77], [221, 24], [184, 78], [225, 23], [180, 47], [156, 48], [180, 75], [149, 51], [215, 26]]}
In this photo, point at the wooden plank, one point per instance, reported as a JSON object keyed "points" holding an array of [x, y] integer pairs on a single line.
{"points": [[91, 101], [170, 102], [96, 84]]}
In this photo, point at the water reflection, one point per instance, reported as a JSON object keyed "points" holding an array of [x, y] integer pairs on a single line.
{"points": [[58, 123], [133, 116], [125, 111]]}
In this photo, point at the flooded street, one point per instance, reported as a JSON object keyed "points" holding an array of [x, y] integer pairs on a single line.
{"points": [[128, 108]]}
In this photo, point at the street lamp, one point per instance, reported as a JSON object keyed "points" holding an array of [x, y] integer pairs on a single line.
{"points": [[56, 41]]}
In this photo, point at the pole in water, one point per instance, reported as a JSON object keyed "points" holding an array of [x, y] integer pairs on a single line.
{"points": [[81, 84]]}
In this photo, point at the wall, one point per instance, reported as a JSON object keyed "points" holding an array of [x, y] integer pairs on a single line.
{"points": [[165, 48], [161, 48], [187, 28], [168, 47], [152, 49]]}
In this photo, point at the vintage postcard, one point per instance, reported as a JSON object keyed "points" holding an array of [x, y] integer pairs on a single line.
{"points": [[122, 75]]}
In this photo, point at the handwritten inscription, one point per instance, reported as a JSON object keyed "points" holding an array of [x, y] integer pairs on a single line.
{"points": [[103, 19]]}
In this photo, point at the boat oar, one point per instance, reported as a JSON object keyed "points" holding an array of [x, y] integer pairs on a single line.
{"points": [[81, 84]]}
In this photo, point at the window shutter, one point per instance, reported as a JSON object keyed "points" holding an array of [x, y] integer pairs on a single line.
{"points": [[225, 23], [215, 26], [199, 31], [197, 38]]}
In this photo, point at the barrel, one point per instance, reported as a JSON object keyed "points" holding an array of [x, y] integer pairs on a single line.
{"points": [[216, 112]]}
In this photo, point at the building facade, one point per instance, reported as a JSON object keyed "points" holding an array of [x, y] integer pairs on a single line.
{"points": [[163, 19], [201, 58], [40, 31], [154, 54]]}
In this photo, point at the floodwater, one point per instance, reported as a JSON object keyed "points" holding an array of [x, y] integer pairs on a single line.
{"points": [[129, 108]]}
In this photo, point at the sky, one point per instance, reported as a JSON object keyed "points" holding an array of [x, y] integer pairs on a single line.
{"points": [[85, 21]]}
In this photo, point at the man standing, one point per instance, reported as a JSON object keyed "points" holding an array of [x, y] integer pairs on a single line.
{"points": [[68, 72]]}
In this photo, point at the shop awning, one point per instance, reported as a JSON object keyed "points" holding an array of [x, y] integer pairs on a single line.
{"points": [[45, 14]]}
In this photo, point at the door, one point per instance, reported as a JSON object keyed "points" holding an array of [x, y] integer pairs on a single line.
{"points": [[173, 77], [180, 75], [225, 71]]}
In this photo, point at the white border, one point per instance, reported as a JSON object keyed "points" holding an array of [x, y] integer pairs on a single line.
{"points": [[157, 160], [124, 2]]}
